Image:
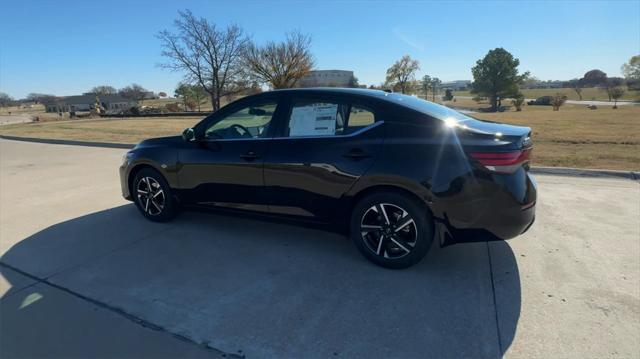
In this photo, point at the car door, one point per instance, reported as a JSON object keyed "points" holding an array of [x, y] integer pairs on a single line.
{"points": [[224, 166], [323, 145]]}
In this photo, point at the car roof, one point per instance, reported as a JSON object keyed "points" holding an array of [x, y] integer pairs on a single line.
{"points": [[376, 95], [389, 100]]}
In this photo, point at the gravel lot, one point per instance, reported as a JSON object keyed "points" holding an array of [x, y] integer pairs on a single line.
{"points": [[84, 274]]}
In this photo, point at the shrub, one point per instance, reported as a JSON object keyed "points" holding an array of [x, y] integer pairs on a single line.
{"points": [[558, 100], [518, 101], [173, 107], [448, 95]]}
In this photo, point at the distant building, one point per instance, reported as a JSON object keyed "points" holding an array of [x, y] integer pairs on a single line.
{"points": [[88, 102], [458, 85], [327, 78], [150, 95]]}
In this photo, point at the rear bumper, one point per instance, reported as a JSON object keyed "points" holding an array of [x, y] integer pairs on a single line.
{"points": [[500, 210]]}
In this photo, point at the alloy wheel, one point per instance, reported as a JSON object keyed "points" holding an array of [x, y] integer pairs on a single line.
{"points": [[150, 196], [388, 230]]}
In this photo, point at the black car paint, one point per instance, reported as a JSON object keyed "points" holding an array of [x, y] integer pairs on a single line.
{"points": [[321, 178]]}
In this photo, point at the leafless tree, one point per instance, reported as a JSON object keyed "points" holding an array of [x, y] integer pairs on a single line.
{"points": [[280, 65], [133, 92], [103, 90], [208, 56], [403, 71], [5, 99], [40, 97]]}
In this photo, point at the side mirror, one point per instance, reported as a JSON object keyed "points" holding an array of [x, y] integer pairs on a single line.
{"points": [[189, 135]]}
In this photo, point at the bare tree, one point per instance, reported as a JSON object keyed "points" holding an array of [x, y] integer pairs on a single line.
{"points": [[280, 65], [403, 71], [103, 90], [208, 56], [133, 92], [577, 87], [5, 99], [40, 97]]}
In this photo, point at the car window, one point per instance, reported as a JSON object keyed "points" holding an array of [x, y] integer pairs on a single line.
{"points": [[326, 118], [249, 122]]}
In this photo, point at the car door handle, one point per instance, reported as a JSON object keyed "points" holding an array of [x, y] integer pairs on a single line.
{"points": [[250, 156], [356, 154]]}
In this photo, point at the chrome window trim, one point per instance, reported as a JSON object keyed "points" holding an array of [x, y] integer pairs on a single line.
{"points": [[362, 130]]}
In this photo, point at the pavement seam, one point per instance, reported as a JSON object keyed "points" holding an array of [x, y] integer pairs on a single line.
{"points": [[121, 312], [495, 304]]}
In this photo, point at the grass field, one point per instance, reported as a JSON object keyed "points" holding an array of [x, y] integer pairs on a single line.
{"points": [[587, 94], [572, 137]]}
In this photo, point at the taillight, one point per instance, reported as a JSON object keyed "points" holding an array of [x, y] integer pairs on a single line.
{"points": [[503, 162]]}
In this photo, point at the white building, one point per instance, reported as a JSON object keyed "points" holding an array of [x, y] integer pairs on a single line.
{"points": [[87, 102], [458, 85], [327, 78]]}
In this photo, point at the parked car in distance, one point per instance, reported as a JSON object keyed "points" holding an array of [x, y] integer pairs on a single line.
{"points": [[394, 172], [542, 101]]}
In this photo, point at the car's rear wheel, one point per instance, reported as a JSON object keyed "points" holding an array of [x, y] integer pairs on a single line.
{"points": [[152, 195], [392, 229]]}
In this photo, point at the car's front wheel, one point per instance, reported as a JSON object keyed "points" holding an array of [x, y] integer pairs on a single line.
{"points": [[392, 229], [152, 195]]}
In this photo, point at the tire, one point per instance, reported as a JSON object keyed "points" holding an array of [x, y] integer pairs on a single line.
{"points": [[157, 205], [399, 242]]}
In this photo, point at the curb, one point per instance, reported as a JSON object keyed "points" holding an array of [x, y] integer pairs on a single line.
{"points": [[558, 171], [69, 142], [580, 172]]}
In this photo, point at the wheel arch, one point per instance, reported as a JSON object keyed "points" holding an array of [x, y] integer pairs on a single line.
{"points": [[366, 191], [134, 171]]}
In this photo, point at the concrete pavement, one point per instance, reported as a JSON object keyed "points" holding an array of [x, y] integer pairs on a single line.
{"points": [[570, 287]]}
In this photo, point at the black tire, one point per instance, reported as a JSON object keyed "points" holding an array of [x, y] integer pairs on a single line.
{"points": [[405, 249], [153, 209]]}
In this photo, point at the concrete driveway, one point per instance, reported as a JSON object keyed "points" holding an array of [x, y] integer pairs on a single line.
{"points": [[85, 275]]}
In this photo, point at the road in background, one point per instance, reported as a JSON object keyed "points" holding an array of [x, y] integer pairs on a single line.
{"points": [[570, 287]]}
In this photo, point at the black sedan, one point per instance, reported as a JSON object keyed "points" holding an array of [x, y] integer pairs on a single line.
{"points": [[393, 171]]}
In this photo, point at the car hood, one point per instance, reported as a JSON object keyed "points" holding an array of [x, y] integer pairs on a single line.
{"points": [[169, 141]]}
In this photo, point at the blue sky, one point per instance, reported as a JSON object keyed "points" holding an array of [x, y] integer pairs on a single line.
{"points": [[67, 47]]}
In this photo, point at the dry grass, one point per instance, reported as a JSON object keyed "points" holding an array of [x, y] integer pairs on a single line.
{"points": [[587, 94], [572, 137], [127, 130], [578, 137]]}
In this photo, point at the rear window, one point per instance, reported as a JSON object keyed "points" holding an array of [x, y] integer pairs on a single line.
{"points": [[429, 108], [326, 118]]}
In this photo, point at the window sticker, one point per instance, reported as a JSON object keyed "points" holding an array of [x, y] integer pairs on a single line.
{"points": [[314, 120]]}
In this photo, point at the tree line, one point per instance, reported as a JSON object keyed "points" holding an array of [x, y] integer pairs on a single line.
{"points": [[496, 77]]}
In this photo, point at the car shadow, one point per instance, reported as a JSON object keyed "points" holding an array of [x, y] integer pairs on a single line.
{"points": [[264, 288]]}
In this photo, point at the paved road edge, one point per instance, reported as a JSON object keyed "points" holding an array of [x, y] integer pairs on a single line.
{"points": [[562, 171]]}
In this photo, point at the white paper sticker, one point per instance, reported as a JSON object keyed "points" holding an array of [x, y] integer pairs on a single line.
{"points": [[318, 120]]}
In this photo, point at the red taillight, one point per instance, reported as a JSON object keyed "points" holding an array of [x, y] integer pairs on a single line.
{"points": [[503, 162]]}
